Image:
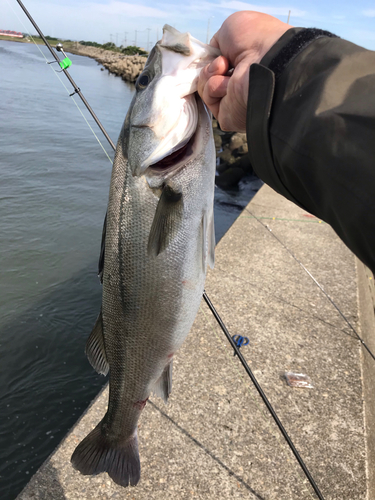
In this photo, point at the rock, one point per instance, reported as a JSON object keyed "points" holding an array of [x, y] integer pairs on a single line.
{"points": [[217, 140], [244, 149], [229, 178], [222, 167], [230, 175], [128, 67], [225, 155], [236, 141]]}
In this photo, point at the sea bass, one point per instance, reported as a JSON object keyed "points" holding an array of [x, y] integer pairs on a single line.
{"points": [[157, 242]]}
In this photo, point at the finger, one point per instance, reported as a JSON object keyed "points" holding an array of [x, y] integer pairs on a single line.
{"points": [[219, 66], [216, 88], [214, 42], [213, 92]]}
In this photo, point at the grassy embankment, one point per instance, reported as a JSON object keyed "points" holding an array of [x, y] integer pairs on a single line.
{"points": [[53, 41]]}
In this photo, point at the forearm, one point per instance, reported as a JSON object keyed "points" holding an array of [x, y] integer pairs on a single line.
{"points": [[311, 132]]}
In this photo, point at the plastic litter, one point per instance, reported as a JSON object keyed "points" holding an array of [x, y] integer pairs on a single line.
{"points": [[298, 380]]}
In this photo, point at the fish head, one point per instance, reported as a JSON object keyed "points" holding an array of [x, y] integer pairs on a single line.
{"points": [[163, 122]]}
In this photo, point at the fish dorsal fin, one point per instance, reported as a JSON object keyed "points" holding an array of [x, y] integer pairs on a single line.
{"points": [[95, 350], [167, 220], [197, 55], [163, 386], [175, 41]]}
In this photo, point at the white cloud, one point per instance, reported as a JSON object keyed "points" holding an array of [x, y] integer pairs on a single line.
{"points": [[236, 5], [369, 13], [274, 11], [130, 10]]}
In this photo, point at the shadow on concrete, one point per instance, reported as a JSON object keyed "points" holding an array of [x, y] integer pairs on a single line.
{"points": [[208, 452], [48, 486]]}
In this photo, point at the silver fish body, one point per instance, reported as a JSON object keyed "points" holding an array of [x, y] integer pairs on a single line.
{"points": [[159, 239]]}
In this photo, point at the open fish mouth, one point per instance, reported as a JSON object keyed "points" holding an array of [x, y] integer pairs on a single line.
{"points": [[181, 154], [174, 142]]}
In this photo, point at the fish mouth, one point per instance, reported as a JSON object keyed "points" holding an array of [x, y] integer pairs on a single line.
{"points": [[180, 156]]}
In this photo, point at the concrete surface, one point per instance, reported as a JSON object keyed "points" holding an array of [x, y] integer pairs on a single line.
{"points": [[215, 439]]}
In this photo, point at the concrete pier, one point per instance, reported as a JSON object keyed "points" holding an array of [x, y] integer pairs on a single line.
{"points": [[215, 438]]}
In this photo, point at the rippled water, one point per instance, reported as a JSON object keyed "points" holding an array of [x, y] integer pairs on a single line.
{"points": [[54, 181]]}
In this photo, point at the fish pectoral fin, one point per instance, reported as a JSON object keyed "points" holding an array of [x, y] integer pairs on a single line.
{"points": [[167, 221], [95, 350], [163, 386]]}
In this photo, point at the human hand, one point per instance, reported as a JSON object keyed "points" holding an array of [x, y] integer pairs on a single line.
{"points": [[243, 39]]}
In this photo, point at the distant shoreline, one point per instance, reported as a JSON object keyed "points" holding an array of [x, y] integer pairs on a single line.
{"points": [[127, 67]]}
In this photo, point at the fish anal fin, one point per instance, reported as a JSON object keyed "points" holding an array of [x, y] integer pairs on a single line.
{"points": [[163, 386], [167, 221], [95, 349], [97, 453]]}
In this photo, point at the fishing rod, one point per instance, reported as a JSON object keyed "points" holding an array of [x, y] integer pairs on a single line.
{"points": [[205, 296], [77, 90]]}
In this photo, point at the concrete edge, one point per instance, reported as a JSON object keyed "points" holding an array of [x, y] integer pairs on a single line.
{"points": [[366, 302]]}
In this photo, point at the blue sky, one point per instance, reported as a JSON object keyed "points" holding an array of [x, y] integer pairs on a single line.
{"points": [[99, 19]]}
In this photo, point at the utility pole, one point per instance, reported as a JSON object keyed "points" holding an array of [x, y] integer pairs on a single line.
{"points": [[208, 29], [135, 42], [125, 33], [117, 39], [111, 37], [288, 17], [148, 39]]}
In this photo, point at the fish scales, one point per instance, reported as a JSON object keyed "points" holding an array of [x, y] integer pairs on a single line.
{"points": [[158, 242]]}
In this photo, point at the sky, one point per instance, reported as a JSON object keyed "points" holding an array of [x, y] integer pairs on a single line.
{"points": [[125, 21]]}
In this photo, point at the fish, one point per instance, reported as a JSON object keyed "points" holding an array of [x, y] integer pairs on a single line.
{"points": [[158, 241]]}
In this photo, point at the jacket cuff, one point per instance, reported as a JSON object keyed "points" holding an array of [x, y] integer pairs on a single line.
{"points": [[261, 90], [263, 78], [289, 46]]}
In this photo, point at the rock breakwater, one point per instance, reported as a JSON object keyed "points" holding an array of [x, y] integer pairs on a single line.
{"points": [[127, 67]]}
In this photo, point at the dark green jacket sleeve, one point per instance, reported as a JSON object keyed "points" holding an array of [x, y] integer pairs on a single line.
{"points": [[311, 132]]}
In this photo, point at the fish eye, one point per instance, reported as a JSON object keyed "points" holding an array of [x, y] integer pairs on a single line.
{"points": [[143, 81]]}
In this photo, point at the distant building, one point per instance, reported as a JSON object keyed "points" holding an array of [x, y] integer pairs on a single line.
{"points": [[15, 34]]}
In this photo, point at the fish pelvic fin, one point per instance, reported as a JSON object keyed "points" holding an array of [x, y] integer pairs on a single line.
{"points": [[163, 386], [95, 349], [167, 221], [97, 453]]}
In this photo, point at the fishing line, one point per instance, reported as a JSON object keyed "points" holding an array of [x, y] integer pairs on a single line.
{"points": [[76, 89], [207, 300], [316, 282], [234, 364]]}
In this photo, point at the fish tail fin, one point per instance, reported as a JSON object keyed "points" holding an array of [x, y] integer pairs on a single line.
{"points": [[96, 454]]}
